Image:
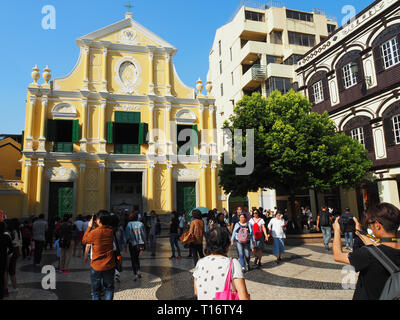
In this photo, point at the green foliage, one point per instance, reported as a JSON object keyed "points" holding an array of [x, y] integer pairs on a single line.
{"points": [[295, 148]]}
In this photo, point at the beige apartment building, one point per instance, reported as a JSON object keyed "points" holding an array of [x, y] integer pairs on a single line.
{"points": [[258, 50]]}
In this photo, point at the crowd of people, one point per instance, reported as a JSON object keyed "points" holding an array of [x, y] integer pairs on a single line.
{"points": [[102, 238]]}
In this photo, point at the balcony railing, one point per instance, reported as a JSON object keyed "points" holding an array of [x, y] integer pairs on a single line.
{"points": [[259, 72], [11, 185]]}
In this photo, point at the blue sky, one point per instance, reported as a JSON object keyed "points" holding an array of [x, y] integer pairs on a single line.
{"points": [[187, 24]]}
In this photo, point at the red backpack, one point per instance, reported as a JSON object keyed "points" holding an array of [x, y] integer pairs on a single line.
{"points": [[257, 230]]}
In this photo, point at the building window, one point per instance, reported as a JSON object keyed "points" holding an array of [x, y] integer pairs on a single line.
{"points": [[230, 52], [63, 134], [18, 173], [293, 59], [349, 77], [390, 53], [187, 139], [276, 37], [331, 28], [303, 16], [220, 67], [396, 128], [358, 134], [276, 83], [301, 39], [274, 59], [219, 47], [233, 80], [254, 16], [318, 92], [222, 89]]}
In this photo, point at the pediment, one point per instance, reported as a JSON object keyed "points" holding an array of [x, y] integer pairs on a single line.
{"points": [[127, 32]]}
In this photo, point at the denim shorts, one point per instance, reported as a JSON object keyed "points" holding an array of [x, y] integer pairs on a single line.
{"points": [[258, 244]]}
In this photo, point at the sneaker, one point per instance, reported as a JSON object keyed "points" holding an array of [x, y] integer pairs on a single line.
{"points": [[139, 275], [66, 271], [259, 265], [172, 257], [60, 271], [179, 257], [255, 261], [244, 270]]}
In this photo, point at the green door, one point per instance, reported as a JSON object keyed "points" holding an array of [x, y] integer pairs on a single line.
{"points": [[65, 201], [186, 196]]}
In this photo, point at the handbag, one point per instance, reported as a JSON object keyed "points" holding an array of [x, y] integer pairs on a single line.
{"points": [[227, 294], [187, 238]]}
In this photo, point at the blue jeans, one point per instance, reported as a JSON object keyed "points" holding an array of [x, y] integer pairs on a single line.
{"points": [[243, 253], [100, 279], [348, 237], [327, 234], [173, 240]]}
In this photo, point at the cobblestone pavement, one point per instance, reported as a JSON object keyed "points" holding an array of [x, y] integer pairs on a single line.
{"points": [[307, 272]]}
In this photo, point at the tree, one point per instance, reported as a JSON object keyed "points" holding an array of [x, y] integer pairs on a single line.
{"points": [[294, 148]]}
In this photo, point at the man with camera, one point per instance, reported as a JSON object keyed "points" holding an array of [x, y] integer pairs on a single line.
{"points": [[103, 260]]}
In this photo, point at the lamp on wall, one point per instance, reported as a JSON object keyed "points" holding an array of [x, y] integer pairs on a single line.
{"points": [[354, 70]]}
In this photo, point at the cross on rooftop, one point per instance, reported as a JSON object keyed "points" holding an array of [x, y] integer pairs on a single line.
{"points": [[129, 6]]}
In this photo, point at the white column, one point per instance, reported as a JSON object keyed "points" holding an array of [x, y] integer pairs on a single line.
{"points": [[168, 142], [388, 192]]}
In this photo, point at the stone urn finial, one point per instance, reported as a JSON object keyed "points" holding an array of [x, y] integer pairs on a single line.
{"points": [[47, 75], [199, 86], [209, 87], [35, 74]]}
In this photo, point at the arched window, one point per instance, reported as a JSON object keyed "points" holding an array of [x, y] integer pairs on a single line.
{"points": [[386, 48], [391, 124], [360, 129], [349, 70], [318, 90]]}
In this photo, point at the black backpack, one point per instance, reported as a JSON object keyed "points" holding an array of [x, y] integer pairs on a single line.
{"points": [[347, 224], [324, 219], [391, 291]]}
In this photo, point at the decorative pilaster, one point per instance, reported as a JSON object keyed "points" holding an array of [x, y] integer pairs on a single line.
{"points": [[211, 129], [150, 183], [168, 141], [202, 130], [86, 62], [42, 138], [151, 73], [151, 128], [29, 121], [39, 187], [168, 74], [104, 69], [213, 186], [27, 176], [83, 141], [203, 189], [170, 188], [81, 195], [103, 140], [103, 186]]}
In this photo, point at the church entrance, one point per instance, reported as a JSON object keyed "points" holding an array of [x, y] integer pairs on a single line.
{"points": [[126, 192], [61, 199]]}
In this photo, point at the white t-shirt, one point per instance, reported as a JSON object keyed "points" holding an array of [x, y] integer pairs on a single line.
{"points": [[260, 223], [210, 274], [276, 226]]}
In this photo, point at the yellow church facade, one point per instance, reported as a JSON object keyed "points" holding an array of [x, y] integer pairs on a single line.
{"points": [[120, 132]]}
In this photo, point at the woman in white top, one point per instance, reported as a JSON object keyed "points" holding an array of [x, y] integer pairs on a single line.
{"points": [[211, 271], [276, 226]]}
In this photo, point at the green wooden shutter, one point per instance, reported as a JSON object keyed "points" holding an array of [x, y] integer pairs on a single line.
{"points": [[51, 130], [143, 131], [195, 136], [110, 136], [75, 131], [127, 117]]}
